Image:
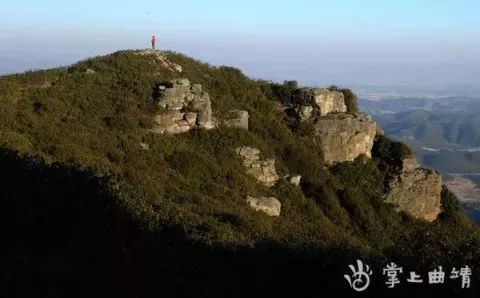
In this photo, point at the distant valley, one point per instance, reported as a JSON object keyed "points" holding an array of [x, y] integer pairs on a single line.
{"points": [[444, 133]]}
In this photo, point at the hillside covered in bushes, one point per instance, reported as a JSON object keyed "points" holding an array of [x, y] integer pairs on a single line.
{"points": [[94, 120]]}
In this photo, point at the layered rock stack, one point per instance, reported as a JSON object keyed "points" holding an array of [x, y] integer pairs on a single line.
{"points": [[416, 191], [187, 107]]}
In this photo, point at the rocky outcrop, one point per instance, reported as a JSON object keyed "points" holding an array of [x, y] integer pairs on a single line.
{"points": [[320, 100], [271, 206], [187, 107], [263, 170], [161, 59], [416, 191], [237, 118], [344, 137]]}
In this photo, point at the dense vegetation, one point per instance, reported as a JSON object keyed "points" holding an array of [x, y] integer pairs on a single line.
{"points": [[191, 183]]}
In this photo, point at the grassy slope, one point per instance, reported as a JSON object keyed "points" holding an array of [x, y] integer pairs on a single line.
{"points": [[192, 181]]}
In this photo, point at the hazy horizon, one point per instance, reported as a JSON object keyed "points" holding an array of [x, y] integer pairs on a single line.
{"points": [[433, 44]]}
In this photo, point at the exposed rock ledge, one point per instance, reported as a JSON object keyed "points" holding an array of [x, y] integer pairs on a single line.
{"points": [[416, 191], [344, 137]]}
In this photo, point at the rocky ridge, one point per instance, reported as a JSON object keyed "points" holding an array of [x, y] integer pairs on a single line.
{"points": [[342, 137]]}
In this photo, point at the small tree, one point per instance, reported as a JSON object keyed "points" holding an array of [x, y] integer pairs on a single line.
{"points": [[284, 91]]}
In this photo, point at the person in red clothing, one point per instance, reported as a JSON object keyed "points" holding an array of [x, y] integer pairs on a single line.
{"points": [[154, 41]]}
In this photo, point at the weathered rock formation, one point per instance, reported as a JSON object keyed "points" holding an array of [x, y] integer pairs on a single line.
{"points": [[416, 191], [319, 101], [263, 170], [237, 118], [187, 107], [271, 206], [344, 137]]}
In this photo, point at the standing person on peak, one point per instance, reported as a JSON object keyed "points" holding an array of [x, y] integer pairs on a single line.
{"points": [[154, 41]]}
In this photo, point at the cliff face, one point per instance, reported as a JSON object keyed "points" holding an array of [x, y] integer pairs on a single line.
{"points": [[344, 137]]}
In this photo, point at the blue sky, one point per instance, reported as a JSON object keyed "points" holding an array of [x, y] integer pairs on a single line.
{"points": [[317, 42]]}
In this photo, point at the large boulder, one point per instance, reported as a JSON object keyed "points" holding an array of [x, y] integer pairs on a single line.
{"points": [[416, 191], [344, 137], [263, 170], [323, 101], [269, 205]]}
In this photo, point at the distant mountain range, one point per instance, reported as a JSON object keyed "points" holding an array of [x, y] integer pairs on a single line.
{"points": [[373, 105], [444, 132], [434, 128]]}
